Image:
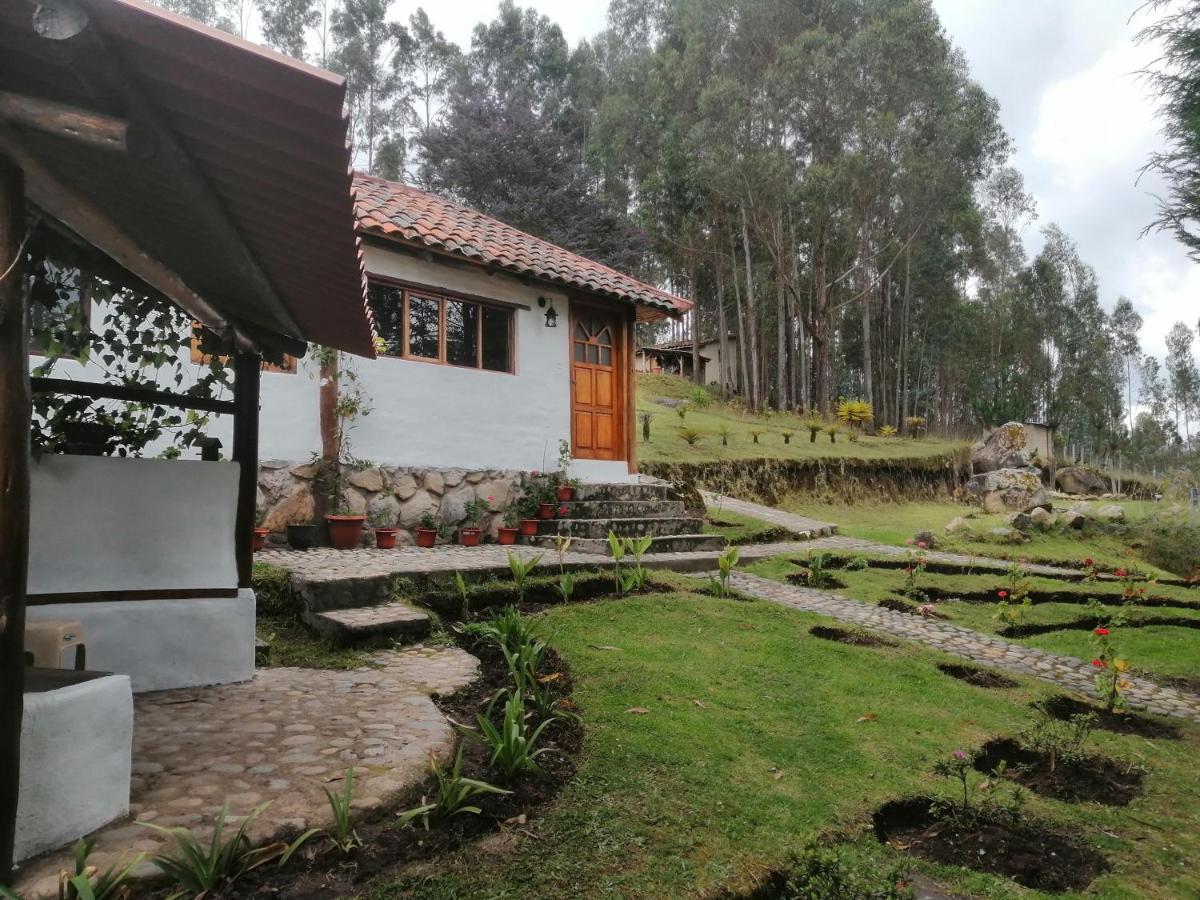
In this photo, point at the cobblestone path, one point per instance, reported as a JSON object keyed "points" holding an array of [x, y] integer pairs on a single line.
{"points": [[1066, 671]]}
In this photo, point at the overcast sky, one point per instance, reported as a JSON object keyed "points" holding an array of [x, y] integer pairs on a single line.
{"points": [[1064, 73]]}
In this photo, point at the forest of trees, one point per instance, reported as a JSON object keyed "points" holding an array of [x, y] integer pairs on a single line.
{"points": [[823, 177]]}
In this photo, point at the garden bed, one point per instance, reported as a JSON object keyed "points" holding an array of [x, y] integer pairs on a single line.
{"points": [[1064, 707], [1096, 779], [984, 678], [1030, 629], [854, 637], [1078, 598], [1031, 853]]}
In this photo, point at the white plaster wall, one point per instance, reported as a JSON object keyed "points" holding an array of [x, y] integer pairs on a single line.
{"points": [[76, 748], [163, 644], [101, 523]]}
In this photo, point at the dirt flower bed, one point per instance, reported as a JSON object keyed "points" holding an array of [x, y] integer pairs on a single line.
{"points": [[855, 637], [1032, 853], [1064, 707], [984, 678], [1098, 779]]}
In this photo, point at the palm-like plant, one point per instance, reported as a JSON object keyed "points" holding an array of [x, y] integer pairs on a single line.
{"points": [[855, 413], [887, 431]]}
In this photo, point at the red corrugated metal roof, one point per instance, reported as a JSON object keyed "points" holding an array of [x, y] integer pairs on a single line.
{"points": [[405, 213], [266, 132]]}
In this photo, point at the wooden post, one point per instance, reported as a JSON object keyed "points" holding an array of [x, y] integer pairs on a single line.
{"points": [[15, 413], [247, 372]]}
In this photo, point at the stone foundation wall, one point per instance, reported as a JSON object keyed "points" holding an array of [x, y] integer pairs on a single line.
{"points": [[398, 495]]}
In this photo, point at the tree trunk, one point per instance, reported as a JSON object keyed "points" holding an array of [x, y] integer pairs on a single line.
{"points": [[751, 315], [864, 251], [331, 450], [697, 365], [724, 368], [819, 323], [743, 351]]}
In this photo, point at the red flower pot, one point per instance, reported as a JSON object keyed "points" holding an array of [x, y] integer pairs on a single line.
{"points": [[260, 538], [545, 510], [528, 527], [345, 532], [565, 493], [469, 537], [426, 537], [507, 535], [385, 538]]}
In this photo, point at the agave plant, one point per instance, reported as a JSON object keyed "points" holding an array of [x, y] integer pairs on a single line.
{"points": [[887, 431], [689, 436], [855, 413]]}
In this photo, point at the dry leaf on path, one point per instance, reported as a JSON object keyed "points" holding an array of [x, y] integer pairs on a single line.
{"points": [[637, 710], [868, 717]]}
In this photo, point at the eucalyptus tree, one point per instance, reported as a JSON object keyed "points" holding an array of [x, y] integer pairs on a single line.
{"points": [[1183, 377], [1126, 326]]}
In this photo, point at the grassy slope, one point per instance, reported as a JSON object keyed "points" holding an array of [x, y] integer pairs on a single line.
{"points": [[686, 797], [667, 446]]}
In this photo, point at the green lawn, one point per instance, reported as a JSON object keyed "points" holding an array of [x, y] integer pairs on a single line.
{"points": [[739, 529], [708, 416], [757, 738]]}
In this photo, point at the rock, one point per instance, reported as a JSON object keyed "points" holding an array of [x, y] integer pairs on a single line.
{"points": [[499, 490], [369, 480], [1006, 490], [454, 503], [384, 510], [1006, 535], [297, 508], [353, 503], [1042, 518], [434, 482], [1022, 521], [1079, 480], [453, 477], [1004, 448], [690, 495], [413, 509], [306, 471], [1111, 513], [924, 539], [1073, 518], [475, 477], [958, 525], [404, 486], [273, 463]]}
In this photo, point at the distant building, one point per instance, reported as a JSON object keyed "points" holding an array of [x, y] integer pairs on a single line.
{"points": [[675, 358]]}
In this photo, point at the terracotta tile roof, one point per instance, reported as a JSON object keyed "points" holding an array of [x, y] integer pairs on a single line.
{"points": [[408, 214]]}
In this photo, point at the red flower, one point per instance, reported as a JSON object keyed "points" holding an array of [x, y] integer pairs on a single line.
{"points": [[1003, 594], [1088, 563], [562, 510], [1120, 573], [1100, 632], [922, 544], [1099, 664]]}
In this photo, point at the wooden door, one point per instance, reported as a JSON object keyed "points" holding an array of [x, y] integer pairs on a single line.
{"points": [[597, 385]]}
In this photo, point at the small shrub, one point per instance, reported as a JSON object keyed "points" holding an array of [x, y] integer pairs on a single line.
{"points": [[1111, 682], [508, 630], [1061, 742], [725, 566], [646, 418], [916, 425], [341, 833], [272, 591], [815, 570], [700, 398], [453, 795], [514, 747], [681, 410], [1013, 601], [855, 413], [914, 570], [754, 435], [89, 884], [820, 874], [858, 563], [520, 569], [690, 436], [1172, 545], [832, 430], [815, 425], [888, 431], [566, 586], [723, 431], [787, 436]]}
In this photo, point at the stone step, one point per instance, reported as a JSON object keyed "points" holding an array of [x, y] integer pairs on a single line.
{"points": [[599, 528], [368, 626], [674, 543], [622, 509], [633, 491]]}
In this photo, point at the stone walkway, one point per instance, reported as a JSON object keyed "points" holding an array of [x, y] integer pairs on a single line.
{"points": [[1065, 671], [800, 525], [282, 738]]}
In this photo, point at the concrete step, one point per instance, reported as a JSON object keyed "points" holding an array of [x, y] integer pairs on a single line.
{"points": [[625, 492], [599, 528], [369, 626], [622, 509], [674, 543]]}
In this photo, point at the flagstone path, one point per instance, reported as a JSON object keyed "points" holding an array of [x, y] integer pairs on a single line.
{"points": [[1066, 671]]}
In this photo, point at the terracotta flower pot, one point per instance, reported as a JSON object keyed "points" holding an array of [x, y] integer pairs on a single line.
{"points": [[260, 538], [545, 510], [528, 527], [426, 537], [469, 537], [507, 535], [385, 538], [345, 532], [565, 493]]}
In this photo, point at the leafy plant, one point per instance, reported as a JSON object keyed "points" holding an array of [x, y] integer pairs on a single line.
{"points": [[464, 594], [508, 630], [914, 570], [454, 793], [888, 431], [1013, 600], [474, 511], [755, 434], [566, 586], [726, 563], [855, 413], [520, 569], [858, 563], [88, 883], [617, 549], [429, 523], [646, 418], [787, 435], [1111, 682], [916, 425], [204, 869], [820, 874], [700, 397], [681, 410], [514, 747], [341, 833], [689, 436], [832, 430], [637, 574], [723, 431], [815, 424], [1061, 742], [815, 570]]}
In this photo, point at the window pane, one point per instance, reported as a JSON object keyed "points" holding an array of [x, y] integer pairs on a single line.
{"points": [[592, 354], [387, 304], [496, 349], [423, 327], [462, 332], [606, 356], [580, 349]]}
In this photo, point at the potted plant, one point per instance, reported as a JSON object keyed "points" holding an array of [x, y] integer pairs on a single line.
{"points": [[302, 535], [507, 534], [343, 403], [527, 508], [564, 486], [427, 531], [385, 532], [471, 531], [260, 533], [345, 529]]}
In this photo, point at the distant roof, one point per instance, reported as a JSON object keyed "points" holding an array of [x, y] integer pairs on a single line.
{"points": [[417, 217], [266, 136], [686, 343]]}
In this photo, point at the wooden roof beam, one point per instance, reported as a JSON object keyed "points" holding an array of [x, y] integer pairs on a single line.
{"points": [[66, 23], [92, 128]]}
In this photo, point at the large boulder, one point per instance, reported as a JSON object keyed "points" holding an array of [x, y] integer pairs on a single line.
{"points": [[1009, 490], [1004, 448], [1111, 513], [1080, 481], [1042, 518], [958, 525], [1073, 518]]}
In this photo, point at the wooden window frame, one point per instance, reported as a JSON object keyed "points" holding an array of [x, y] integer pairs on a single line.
{"points": [[442, 297]]}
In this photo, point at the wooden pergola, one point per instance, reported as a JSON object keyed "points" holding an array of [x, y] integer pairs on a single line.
{"points": [[214, 173]]}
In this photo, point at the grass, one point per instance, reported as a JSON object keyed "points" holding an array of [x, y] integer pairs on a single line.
{"points": [[739, 529], [710, 415], [292, 644], [756, 739]]}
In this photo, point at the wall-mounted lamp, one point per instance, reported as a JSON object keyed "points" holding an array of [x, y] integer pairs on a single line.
{"points": [[551, 315]]}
